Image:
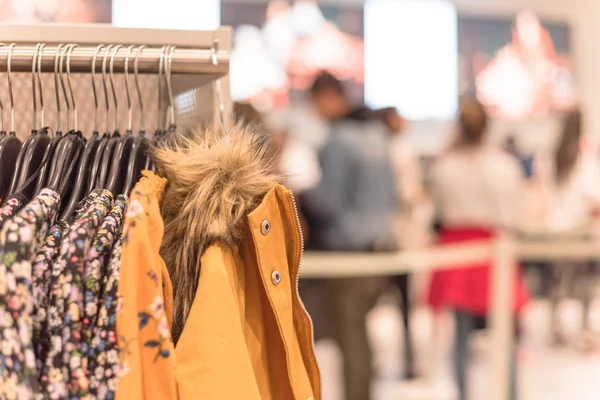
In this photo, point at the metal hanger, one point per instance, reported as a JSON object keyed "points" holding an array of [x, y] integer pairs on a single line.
{"points": [[19, 161], [106, 136], [64, 144], [71, 146], [108, 151], [112, 87], [39, 150], [169, 124], [217, 84], [37, 154], [32, 152], [60, 151], [50, 168], [126, 74], [170, 116], [10, 147], [140, 149], [139, 92], [85, 167], [158, 133], [159, 118], [118, 170]]}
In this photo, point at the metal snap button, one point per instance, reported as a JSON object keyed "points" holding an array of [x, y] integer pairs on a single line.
{"points": [[276, 277], [265, 227]]}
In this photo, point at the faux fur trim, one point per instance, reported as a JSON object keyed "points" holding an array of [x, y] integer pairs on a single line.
{"points": [[216, 178]]}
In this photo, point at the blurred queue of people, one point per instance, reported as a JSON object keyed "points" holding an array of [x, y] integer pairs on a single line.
{"points": [[360, 188]]}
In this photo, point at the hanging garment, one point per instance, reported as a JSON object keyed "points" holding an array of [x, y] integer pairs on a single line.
{"points": [[42, 281], [62, 372], [79, 241], [40, 288], [104, 351], [96, 259], [19, 239], [233, 246], [147, 366]]}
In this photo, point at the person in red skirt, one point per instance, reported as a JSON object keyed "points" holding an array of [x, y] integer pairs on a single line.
{"points": [[477, 190]]}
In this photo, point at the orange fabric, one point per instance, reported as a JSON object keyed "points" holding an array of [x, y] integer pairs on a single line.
{"points": [[147, 359], [246, 337]]}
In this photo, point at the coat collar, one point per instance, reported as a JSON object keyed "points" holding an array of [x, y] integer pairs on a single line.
{"points": [[216, 177]]}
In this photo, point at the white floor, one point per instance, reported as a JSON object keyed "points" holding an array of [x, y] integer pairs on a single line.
{"points": [[544, 373]]}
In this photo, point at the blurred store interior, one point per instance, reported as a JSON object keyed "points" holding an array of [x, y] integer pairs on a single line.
{"points": [[486, 114]]}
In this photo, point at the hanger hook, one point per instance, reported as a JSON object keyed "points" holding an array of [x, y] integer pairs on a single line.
{"points": [[2, 104], [70, 52], [62, 83], [217, 83], [94, 58], [39, 82], [56, 89], [104, 60], [160, 87], [129, 107], [171, 108], [112, 84], [137, 86], [10, 88], [34, 87]]}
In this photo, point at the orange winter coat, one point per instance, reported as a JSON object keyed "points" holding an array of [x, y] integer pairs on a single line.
{"points": [[232, 246]]}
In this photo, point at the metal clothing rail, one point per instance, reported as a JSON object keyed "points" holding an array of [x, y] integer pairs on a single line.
{"points": [[192, 54], [183, 61], [200, 56]]}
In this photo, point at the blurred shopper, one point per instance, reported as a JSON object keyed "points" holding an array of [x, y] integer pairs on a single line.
{"points": [[409, 178], [568, 187], [524, 159], [477, 191], [351, 210]]}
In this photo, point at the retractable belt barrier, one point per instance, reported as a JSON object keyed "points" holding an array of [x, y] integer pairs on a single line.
{"points": [[504, 252]]}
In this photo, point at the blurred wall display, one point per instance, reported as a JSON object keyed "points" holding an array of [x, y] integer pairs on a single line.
{"points": [[280, 46], [411, 57], [37, 11], [519, 68]]}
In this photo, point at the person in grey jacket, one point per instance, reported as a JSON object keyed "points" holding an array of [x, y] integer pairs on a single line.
{"points": [[356, 196], [351, 210]]}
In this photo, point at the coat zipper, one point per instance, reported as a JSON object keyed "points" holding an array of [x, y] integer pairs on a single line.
{"points": [[299, 264]]}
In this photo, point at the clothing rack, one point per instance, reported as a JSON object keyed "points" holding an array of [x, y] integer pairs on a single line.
{"points": [[199, 58], [193, 56]]}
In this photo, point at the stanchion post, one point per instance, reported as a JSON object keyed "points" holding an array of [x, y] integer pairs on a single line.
{"points": [[500, 316]]}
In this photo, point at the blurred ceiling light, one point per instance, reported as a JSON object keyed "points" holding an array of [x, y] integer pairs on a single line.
{"points": [[411, 57], [307, 17], [278, 31]]}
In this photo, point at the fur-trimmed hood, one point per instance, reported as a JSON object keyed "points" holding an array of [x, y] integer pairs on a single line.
{"points": [[216, 177]]}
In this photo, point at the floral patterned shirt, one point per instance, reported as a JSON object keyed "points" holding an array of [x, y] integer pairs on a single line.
{"points": [[40, 287], [81, 234], [104, 352], [63, 373], [42, 280], [96, 269], [19, 238], [147, 363]]}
